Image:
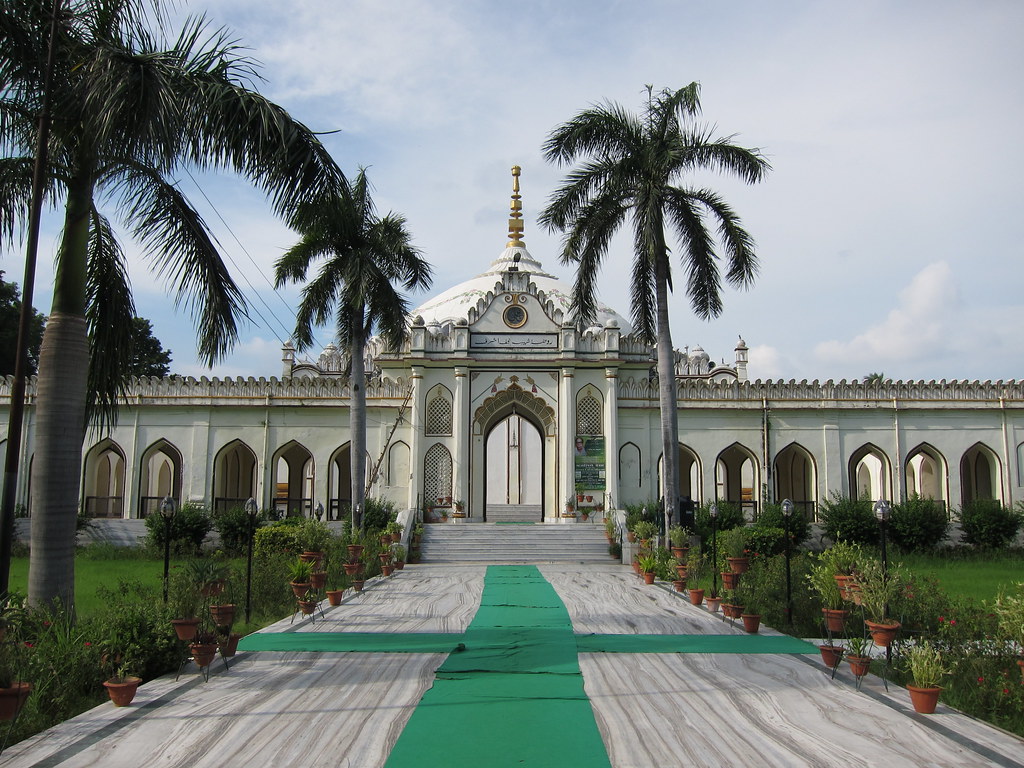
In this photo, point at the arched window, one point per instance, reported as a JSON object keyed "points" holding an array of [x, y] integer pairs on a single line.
{"points": [[234, 476], [293, 480], [437, 476], [160, 476], [439, 411], [979, 474], [737, 479], [926, 474], [794, 479], [869, 474], [588, 413], [105, 480]]}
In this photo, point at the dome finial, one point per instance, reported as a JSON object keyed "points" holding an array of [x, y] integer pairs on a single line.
{"points": [[515, 220]]}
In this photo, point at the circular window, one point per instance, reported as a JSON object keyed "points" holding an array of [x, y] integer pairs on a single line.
{"points": [[515, 316]]}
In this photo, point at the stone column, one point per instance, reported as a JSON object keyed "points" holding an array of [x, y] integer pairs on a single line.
{"points": [[416, 436], [611, 435], [462, 431], [566, 433]]}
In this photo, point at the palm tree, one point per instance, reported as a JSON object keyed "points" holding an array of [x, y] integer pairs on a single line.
{"points": [[363, 256], [129, 108], [632, 165]]}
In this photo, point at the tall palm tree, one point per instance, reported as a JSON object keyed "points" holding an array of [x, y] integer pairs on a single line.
{"points": [[130, 106], [632, 166], [363, 255]]}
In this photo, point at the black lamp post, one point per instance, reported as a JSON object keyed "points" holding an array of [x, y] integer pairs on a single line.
{"points": [[713, 511], [167, 513], [252, 511], [787, 513], [882, 510]]}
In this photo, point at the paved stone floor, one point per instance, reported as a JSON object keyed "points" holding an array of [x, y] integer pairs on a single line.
{"points": [[347, 709]]}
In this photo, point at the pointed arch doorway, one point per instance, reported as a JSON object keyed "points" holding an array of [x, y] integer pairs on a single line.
{"points": [[514, 458], [513, 455]]}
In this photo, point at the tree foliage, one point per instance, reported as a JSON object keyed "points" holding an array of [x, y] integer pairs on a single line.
{"points": [[10, 317], [148, 356]]}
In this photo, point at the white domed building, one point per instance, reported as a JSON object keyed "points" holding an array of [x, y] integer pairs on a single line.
{"points": [[500, 407]]}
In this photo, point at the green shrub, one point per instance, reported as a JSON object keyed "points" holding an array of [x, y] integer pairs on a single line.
{"points": [[849, 520], [233, 528], [281, 537], [765, 541], [729, 516], [378, 513], [987, 523], [917, 524], [771, 517], [189, 527]]}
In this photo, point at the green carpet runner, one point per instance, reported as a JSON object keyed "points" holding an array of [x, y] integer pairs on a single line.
{"points": [[514, 696]]}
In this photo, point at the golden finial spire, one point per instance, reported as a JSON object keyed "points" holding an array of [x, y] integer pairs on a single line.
{"points": [[515, 220]]}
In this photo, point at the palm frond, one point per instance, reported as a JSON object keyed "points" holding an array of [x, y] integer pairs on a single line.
{"points": [[109, 312], [183, 251], [703, 281], [738, 244]]}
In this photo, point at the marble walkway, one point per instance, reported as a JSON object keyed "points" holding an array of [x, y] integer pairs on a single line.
{"points": [[309, 709]]}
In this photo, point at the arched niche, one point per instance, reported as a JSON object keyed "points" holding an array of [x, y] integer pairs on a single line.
{"points": [[514, 466], [870, 474], [160, 475], [234, 476], [925, 471], [795, 479], [630, 475], [980, 474], [293, 480], [399, 456], [104, 486], [689, 475], [339, 482], [738, 478]]}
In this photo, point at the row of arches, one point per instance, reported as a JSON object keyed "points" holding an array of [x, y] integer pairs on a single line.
{"points": [[234, 479], [738, 475]]}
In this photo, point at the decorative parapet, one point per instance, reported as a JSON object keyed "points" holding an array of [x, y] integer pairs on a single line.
{"points": [[698, 390]]}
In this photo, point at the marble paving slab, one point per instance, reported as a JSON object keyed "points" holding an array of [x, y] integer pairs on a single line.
{"points": [[347, 709]]}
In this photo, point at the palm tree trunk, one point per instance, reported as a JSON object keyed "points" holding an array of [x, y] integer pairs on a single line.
{"points": [[60, 413], [667, 394], [357, 421]]}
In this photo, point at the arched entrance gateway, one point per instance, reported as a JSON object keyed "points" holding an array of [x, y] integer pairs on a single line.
{"points": [[514, 445]]}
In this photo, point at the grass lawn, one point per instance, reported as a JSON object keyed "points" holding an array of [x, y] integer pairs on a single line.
{"points": [[979, 576]]}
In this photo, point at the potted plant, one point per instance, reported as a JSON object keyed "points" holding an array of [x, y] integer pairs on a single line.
{"points": [[648, 565], [184, 602], [394, 530], [857, 656], [13, 692], [878, 589], [820, 579], [694, 569], [645, 531], [831, 655], [207, 575], [735, 542], [308, 602], [680, 538], [460, 508], [609, 529], [399, 553], [121, 687], [300, 577], [204, 649], [570, 507], [924, 662]]}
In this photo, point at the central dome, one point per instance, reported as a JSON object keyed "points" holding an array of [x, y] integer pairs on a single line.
{"points": [[454, 304]]}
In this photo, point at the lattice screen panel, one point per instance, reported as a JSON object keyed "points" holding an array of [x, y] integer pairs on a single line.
{"points": [[588, 416], [437, 475], [439, 416]]}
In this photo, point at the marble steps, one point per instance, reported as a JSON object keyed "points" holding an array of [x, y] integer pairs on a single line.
{"points": [[492, 543]]}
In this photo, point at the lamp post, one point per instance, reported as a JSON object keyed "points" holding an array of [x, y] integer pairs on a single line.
{"points": [[252, 510], [787, 513], [882, 510], [713, 511], [167, 513]]}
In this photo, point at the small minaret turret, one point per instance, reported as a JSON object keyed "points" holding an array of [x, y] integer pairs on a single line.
{"points": [[741, 360], [515, 220]]}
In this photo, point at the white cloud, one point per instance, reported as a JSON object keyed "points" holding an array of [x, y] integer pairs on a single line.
{"points": [[766, 362], [916, 329], [255, 356]]}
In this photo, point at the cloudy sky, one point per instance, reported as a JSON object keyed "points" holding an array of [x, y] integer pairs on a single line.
{"points": [[887, 231]]}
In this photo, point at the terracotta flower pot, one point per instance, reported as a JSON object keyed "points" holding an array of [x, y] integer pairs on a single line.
{"points": [[387, 569], [203, 653], [212, 588], [318, 579], [399, 565], [385, 557], [835, 620], [696, 596], [357, 584], [13, 699], [859, 665], [681, 571], [122, 692], [924, 699], [229, 646], [831, 655], [751, 622], [883, 634], [223, 615], [311, 556], [648, 577], [730, 580], [351, 569], [713, 604], [185, 629], [300, 588], [334, 596], [355, 551], [307, 607], [679, 553], [732, 611], [679, 585], [739, 564]]}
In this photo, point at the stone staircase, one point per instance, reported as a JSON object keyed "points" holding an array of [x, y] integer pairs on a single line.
{"points": [[496, 543]]}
